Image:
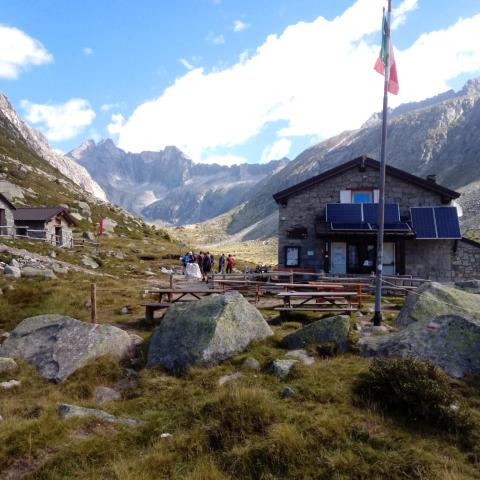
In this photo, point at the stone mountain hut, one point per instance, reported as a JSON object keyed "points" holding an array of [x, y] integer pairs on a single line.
{"points": [[328, 224], [6, 216], [53, 225]]}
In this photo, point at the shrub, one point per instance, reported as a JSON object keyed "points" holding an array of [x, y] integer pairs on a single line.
{"points": [[416, 391], [237, 413]]}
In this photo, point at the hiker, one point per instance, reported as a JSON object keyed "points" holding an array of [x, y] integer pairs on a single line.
{"points": [[192, 258], [212, 261], [221, 263], [230, 263], [185, 259], [207, 266]]}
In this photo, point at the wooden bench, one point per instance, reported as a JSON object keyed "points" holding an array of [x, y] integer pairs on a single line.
{"points": [[151, 308], [332, 301]]}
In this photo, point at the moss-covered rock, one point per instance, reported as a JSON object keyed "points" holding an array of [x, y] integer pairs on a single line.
{"points": [[205, 332], [434, 299], [57, 345], [332, 329], [450, 342]]}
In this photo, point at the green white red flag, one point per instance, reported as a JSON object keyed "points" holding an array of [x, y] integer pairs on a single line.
{"points": [[381, 63]]}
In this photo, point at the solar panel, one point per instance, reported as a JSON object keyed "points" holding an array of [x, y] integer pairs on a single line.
{"points": [[344, 212], [350, 226], [448, 226], [398, 227], [391, 215], [423, 222]]}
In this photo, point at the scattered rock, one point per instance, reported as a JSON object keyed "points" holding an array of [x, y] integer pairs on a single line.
{"points": [[287, 392], [435, 299], [165, 435], [89, 262], [229, 378], [38, 272], [14, 263], [57, 345], [251, 363], [331, 329], [10, 384], [106, 394], [11, 271], [471, 286], [59, 268], [119, 255], [281, 367], [7, 364], [77, 216], [85, 209], [301, 355], [126, 310], [137, 340], [149, 272], [205, 332], [69, 411], [109, 226], [52, 254], [358, 314], [3, 336], [448, 341]]}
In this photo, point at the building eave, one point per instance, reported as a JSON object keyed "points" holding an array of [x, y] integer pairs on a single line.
{"points": [[363, 161]]}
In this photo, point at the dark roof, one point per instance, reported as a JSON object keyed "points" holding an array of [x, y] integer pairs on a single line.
{"points": [[368, 162], [7, 201], [41, 214]]}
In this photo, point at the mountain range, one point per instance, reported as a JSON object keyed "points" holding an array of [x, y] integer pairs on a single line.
{"points": [[167, 187]]}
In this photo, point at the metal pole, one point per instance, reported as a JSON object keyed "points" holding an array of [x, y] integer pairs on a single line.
{"points": [[377, 319]]}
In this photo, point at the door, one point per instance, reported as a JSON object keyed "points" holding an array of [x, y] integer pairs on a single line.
{"points": [[389, 258], [58, 236], [3, 222], [338, 259]]}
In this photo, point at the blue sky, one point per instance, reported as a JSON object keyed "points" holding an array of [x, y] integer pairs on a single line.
{"points": [[224, 80]]}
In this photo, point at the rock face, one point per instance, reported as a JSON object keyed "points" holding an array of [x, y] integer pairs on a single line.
{"points": [[205, 332], [57, 345], [449, 341], [333, 329], [435, 299]]}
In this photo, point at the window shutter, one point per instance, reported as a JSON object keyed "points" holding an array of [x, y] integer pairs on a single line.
{"points": [[345, 196], [376, 195]]}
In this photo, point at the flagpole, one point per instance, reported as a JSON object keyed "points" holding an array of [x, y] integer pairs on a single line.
{"points": [[377, 319]]}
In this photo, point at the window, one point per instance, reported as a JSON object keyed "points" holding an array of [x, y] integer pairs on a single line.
{"points": [[292, 256], [362, 196], [299, 233]]}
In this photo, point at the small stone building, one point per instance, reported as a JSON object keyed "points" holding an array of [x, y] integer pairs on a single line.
{"points": [[6, 216], [53, 225], [328, 224]]}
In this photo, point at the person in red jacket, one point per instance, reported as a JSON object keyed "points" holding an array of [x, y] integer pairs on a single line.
{"points": [[230, 263]]}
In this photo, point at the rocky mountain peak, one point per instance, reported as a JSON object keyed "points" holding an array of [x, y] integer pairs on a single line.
{"points": [[472, 87]]}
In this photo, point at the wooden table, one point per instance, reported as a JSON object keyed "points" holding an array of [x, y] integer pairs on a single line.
{"points": [[174, 295], [330, 299]]}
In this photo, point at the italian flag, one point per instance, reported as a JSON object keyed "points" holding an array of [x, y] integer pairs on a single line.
{"points": [[381, 63]]}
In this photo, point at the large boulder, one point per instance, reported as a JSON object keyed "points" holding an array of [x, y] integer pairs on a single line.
{"points": [[38, 272], [471, 286], [450, 342], [57, 345], [332, 329], [205, 332], [435, 299]]}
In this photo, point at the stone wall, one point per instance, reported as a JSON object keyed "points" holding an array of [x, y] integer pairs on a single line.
{"points": [[466, 260], [303, 207], [8, 214]]}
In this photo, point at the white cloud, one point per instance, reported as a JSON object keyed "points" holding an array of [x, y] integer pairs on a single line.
{"points": [[239, 26], [215, 39], [19, 51], [228, 159], [106, 107], [315, 79], [87, 51], [186, 64], [60, 121], [399, 14], [276, 151], [115, 127]]}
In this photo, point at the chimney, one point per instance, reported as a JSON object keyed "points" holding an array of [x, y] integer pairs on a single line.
{"points": [[432, 178]]}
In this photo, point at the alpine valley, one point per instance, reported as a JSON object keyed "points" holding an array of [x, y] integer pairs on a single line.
{"points": [[220, 205]]}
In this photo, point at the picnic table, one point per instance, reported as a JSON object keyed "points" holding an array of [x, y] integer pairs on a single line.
{"points": [[174, 295], [332, 301]]}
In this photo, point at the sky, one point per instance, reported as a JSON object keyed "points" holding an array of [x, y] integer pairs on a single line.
{"points": [[226, 81]]}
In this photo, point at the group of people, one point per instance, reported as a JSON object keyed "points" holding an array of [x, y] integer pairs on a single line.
{"points": [[201, 264]]}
